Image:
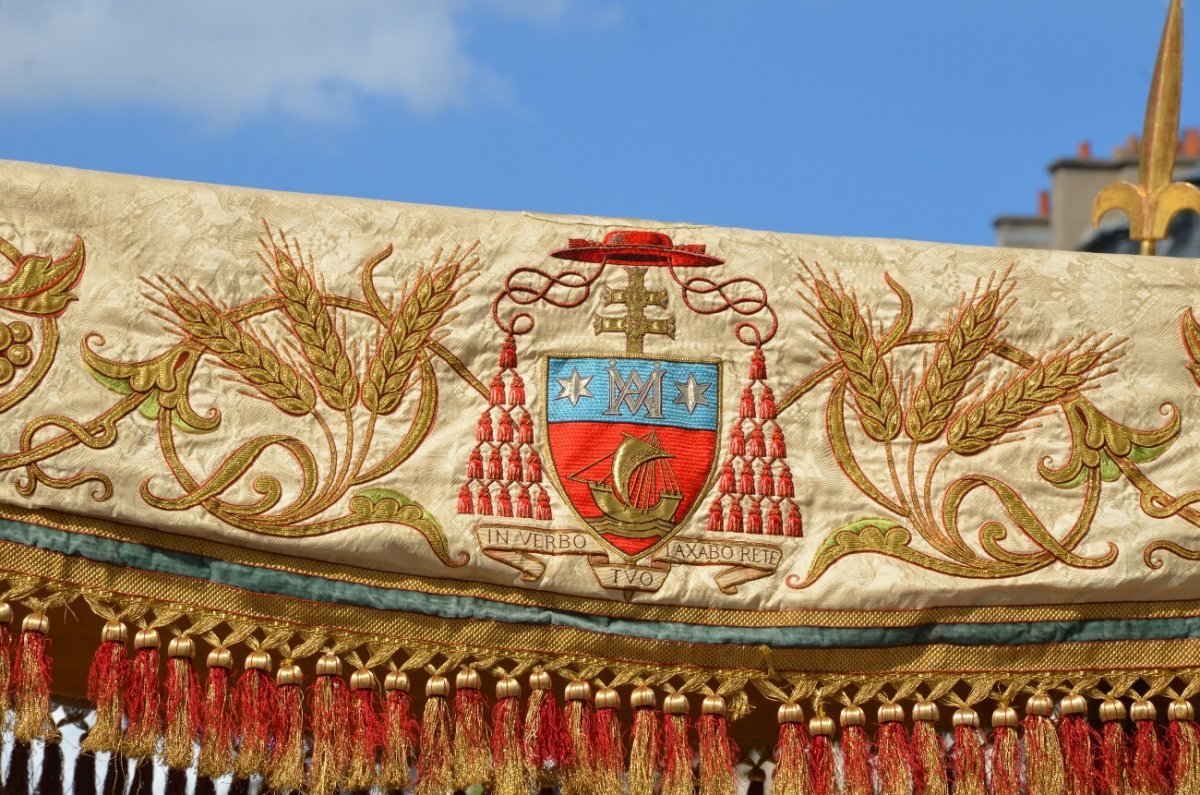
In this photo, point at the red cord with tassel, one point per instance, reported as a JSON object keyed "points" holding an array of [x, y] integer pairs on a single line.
{"points": [[577, 775], [216, 739], [106, 680], [436, 754], [400, 733], [329, 721], [607, 745], [547, 744], [287, 751], [366, 732], [821, 758], [929, 773], [1078, 741], [510, 776], [31, 677], [966, 759], [856, 752], [792, 774], [257, 704], [677, 777], [183, 705], [472, 739], [893, 751], [645, 743], [718, 754], [1005, 753], [1113, 776], [143, 698], [1147, 773], [1183, 748]]}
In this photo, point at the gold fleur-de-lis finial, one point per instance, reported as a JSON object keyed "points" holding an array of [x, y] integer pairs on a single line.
{"points": [[1153, 202]]}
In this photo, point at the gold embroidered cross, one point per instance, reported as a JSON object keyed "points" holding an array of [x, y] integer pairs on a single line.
{"points": [[634, 323]]}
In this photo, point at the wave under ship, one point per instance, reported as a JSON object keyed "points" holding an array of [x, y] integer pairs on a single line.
{"points": [[640, 494]]}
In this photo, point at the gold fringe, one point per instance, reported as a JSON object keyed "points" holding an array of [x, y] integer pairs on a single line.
{"points": [[930, 756], [436, 757], [1044, 760], [677, 776], [399, 746], [328, 757], [1184, 743], [472, 740], [970, 766], [510, 776], [644, 751], [287, 759], [254, 752], [717, 774], [576, 778], [179, 738]]}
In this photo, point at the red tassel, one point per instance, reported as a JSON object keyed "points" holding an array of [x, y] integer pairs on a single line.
{"points": [[1147, 774], [542, 510], [737, 441], [821, 759], [775, 521], [495, 465], [524, 506], [758, 365], [733, 524], [746, 405], [766, 404], [483, 502], [366, 732], [183, 705], [578, 773], [677, 777], [1114, 749], [777, 447], [504, 506], [287, 754], [928, 752], [725, 482], [525, 429], [1183, 748], [795, 523], [894, 754], [755, 446], [856, 754], [472, 740], [510, 776], [483, 431], [464, 500], [718, 754], [1078, 741], [516, 391], [608, 747], [504, 431], [1044, 767], [966, 758], [547, 744], [496, 391], [646, 742], [754, 519], [400, 733], [766, 484], [257, 706], [436, 755], [508, 353], [784, 485], [475, 465], [792, 774], [105, 682], [514, 464], [533, 467], [216, 745], [31, 677], [1006, 770], [329, 722], [746, 479], [716, 518], [6, 617]]}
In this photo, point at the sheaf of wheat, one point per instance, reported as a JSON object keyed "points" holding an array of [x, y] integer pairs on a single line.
{"points": [[874, 393], [313, 325], [412, 327], [258, 366], [954, 360], [1025, 395]]}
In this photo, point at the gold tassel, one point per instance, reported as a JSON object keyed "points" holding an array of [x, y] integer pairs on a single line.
{"points": [[216, 740], [1183, 748], [644, 748], [436, 754], [1114, 748], [183, 705], [929, 753], [329, 720], [105, 680], [256, 706], [366, 732], [718, 754], [1078, 740], [576, 778], [143, 724], [510, 776], [547, 744], [967, 755], [893, 752], [1147, 775], [856, 752], [31, 682], [400, 733], [6, 618], [677, 777], [607, 746], [1006, 752], [792, 773], [472, 740], [287, 756], [1043, 754]]}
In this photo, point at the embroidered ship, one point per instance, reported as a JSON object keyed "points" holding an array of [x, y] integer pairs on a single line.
{"points": [[640, 494]]}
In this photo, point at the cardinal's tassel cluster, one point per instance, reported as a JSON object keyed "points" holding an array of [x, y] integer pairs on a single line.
{"points": [[142, 698], [576, 776], [1043, 754], [856, 752], [677, 777], [1005, 753], [930, 776], [894, 755], [183, 705], [645, 743], [607, 746], [31, 682], [287, 754], [1078, 742], [435, 768], [821, 760], [106, 678], [329, 720], [967, 765], [1183, 748], [400, 733], [366, 731], [216, 741], [1147, 771], [472, 740], [1113, 778], [718, 754], [256, 708], [509, 773], [547, 744]]}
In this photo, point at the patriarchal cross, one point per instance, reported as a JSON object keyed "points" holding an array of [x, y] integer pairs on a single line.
{"points": [[634, 323]]}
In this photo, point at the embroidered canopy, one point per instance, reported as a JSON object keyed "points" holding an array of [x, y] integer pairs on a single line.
{"points": [[406, 495]]}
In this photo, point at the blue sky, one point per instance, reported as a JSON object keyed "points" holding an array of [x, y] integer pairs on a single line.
{"points": [[921, 119]]}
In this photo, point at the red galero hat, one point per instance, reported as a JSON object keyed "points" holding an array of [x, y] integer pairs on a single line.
{"points": [[636, 247]]}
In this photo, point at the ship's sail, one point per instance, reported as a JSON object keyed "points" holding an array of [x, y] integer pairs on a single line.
{"points": [[632, 454]]}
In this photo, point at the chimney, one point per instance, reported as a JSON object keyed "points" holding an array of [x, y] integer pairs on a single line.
{"points": [[1191, 143], [1044, 202], [1085, 150], [1131, 146]]}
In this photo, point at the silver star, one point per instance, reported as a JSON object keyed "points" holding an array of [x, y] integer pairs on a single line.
{"points": [[691, 393], [573, 387]]}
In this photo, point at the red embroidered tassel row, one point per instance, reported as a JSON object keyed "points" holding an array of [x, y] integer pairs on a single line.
{"points": [[143, 723], [1147, 773], [401, 733], [646, 742], [1005, 753], [1114, 749], [1043, 754], [183, 705], [607, 745], [929, 776], [894, 756], [472, 739], [510, 775], [821, 755], [106, 680], [31, 674]]}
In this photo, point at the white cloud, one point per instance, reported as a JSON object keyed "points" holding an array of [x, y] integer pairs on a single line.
{"points": [[228, 61]]}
